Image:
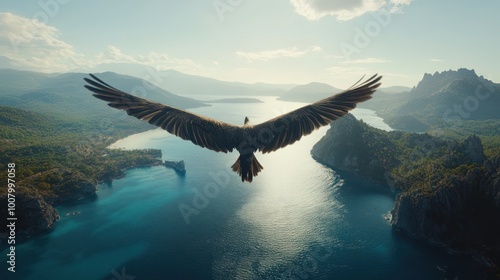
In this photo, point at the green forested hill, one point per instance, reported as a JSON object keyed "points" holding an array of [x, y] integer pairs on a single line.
{"points": [[56, 161], [56, 133], [64, 95], [51, 121], [448, 186], [40, 143]]}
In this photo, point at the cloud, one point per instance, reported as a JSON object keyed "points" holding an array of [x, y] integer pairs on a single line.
{"points": [[369, 60], [340, 71], [345, 9], [396, 6], [435, 60], [349, 74], [30, 44], [160, 61], [278, 53]]}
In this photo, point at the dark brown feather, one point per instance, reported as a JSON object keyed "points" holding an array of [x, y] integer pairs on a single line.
{"points": [[209, 133], [305, 120], [202, 131]]}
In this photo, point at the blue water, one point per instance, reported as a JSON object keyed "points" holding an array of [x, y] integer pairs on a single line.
{"points": [[297, 220]]}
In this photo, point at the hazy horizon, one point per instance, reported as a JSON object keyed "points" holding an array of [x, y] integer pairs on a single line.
{"points": [[295, 41]]}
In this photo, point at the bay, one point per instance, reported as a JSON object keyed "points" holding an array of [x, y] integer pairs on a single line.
{"points": [[297, 220]]}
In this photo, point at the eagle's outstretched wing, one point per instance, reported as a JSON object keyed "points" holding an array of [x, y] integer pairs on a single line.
{"points": [[222, 137], [202, 131], [290, 127]]}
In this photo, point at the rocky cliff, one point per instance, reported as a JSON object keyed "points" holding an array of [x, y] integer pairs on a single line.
{"points": [[37, 195], [33, 213], [461, 213], [353, 146], [449, 193], [442, 99]]}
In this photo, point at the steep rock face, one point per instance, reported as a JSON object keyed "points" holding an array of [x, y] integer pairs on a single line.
{"points": [[450, 193], [444, 99], [473, 148], [33, 213], [326, 149], [80, 188], [431, 83], [353, 146], [461, 212], [34, 209], [65, 186]]}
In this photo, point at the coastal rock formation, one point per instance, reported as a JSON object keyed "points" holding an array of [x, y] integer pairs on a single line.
{"points": [[351, 145], [74, 186], [461, 213], [37, 195], [33, 213], [473, 148], [449, 193], [178, 166]]}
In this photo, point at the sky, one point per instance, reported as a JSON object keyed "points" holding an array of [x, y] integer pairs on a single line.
{"points": [[280, 41]]}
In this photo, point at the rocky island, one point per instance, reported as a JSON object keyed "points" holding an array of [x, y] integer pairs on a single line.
{"points": [[178, 166], [447, 191]]}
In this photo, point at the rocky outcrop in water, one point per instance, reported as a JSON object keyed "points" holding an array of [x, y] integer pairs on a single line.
{"points": [[461, 213], [178, 166], [37, 195], [32, 211], [448, 192]]}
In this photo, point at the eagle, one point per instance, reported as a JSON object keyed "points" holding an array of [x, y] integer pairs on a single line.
{"points": [[247, 139]]}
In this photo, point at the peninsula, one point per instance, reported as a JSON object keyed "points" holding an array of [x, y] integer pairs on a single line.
{"points": [[447, 192]]}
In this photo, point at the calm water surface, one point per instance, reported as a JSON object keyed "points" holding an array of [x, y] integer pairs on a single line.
{"points": [[297, 220]]}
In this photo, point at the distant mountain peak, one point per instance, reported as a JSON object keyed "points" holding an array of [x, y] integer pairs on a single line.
{"points": [[310, 92], [432, 83], [316, 86], [461, 73]]}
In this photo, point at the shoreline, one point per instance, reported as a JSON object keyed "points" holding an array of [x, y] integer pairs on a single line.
{"points": [[75, 186]]}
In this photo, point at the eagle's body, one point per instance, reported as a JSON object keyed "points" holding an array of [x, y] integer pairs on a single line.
{"points": [[247, 139]]}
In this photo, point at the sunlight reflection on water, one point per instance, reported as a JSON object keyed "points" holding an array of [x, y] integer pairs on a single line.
{"points": [[289, 206], [297, 219]]}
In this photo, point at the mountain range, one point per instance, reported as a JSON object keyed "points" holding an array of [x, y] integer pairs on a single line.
{"points": [[48, 126], [186, 84], [438, 100], [309, 93], [63, 95], [442, 99]]}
